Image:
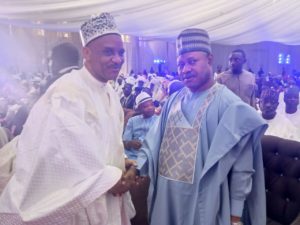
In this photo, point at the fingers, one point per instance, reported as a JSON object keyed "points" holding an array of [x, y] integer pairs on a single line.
{"points": [[129, 163], [119, 188]]}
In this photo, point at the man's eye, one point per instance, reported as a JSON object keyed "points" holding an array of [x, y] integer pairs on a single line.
{"points": [[180, 65], [108, 52], [121, 53], [192, 61]]}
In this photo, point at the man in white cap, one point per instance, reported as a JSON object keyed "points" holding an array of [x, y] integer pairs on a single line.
{"points": [[134, 134], [70, 166], [138, 126], [204, 156]]}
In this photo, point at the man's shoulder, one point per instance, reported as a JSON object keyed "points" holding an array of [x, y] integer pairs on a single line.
{"points": [[226, 97], [221, 77], [248, 74], [231, 106], [226, 73], [135, 120], [67, 86], [70, 78]]}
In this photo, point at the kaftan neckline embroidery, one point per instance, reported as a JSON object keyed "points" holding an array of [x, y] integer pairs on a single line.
{"points": [[177, 158]]}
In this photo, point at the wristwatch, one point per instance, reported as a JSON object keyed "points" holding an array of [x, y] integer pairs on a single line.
{"points": [[237, 223]]}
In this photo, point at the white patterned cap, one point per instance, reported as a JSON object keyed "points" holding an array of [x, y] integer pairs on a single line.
{"points": [[142, 97], [98, 26]]}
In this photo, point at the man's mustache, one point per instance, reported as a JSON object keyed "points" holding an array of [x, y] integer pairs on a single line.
{"points": [[187, 75], [115, 66]]}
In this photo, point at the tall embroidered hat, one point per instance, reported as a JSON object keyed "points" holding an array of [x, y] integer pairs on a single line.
{"points": [[191, 40], [98, 26]]}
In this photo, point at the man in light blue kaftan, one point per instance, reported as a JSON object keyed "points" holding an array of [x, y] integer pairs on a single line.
{"points": [[138, 126], [204, 154]]}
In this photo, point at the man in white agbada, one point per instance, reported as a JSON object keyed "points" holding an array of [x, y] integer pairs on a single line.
{"points": [[279, 125], [70, 167]]}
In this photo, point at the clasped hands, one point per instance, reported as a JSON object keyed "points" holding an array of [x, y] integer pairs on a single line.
{"points": [[128, 179]]}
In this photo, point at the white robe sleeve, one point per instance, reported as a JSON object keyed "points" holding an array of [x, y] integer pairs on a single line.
{"points": [[61, 165]]}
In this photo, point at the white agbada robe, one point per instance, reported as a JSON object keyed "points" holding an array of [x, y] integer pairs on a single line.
{"points": [[280, 126], [69, 155], [7, 158]]}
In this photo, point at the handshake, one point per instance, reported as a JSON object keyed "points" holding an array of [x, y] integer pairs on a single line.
{"points": [[129, 179]]}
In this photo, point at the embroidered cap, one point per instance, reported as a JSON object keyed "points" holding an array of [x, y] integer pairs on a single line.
{"points": [[142, 97], [191, 40], [98, 26]]}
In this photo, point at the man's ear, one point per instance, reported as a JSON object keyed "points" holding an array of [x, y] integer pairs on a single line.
{"points": [[210, 59], [86, 53]]}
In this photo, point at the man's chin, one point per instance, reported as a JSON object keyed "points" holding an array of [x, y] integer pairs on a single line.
{"points": [[188, 83], [114, 75], [269, 115]]}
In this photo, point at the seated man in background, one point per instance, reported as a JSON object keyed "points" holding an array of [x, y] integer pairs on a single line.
{"points": [[138, 126], [128, 99], [279, 125], [291, 100]]}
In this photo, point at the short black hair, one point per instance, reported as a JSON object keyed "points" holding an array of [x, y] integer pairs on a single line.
{"points": [[66, 53], [292, 91], [240, 51]]}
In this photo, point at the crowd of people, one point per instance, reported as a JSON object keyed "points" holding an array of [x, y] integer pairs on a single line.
{"points": [[90, 146]]}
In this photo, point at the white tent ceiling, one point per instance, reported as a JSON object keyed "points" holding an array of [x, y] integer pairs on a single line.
{"points": [[228, 22]]}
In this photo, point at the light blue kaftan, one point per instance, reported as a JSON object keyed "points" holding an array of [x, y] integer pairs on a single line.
{"points": [[136, 129], [204, 160]]}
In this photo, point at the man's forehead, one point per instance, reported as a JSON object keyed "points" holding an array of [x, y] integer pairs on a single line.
{"points": [[236, 55], [190, 55], [109, 40], [291, 95], [269, 95], [269, 98]]}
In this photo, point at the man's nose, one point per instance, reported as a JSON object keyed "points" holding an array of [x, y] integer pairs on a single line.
{"points": [[118, 59], [186, 69], [268, 105]]}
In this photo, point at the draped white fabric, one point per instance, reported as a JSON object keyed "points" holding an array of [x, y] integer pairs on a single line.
{"points": [[228, 22]]}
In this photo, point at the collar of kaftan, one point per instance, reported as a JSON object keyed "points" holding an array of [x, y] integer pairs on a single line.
{"points": [[91, 80], [197, 121], [67, 69], [178, 153]]}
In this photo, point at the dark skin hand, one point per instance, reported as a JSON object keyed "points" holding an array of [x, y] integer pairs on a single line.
{"points": [[119, 188], [127, 180], [135, 144], [235, 219], [129, 163]]}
